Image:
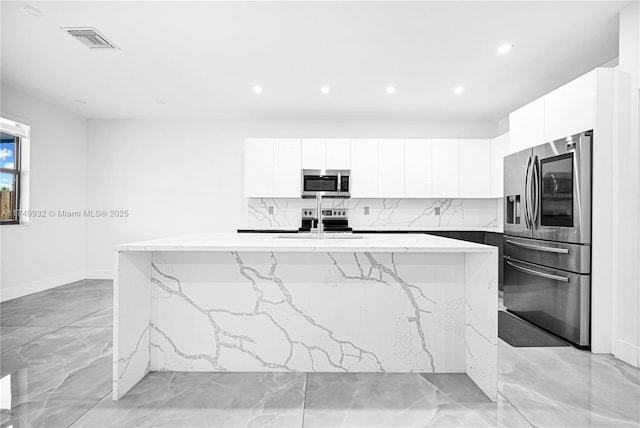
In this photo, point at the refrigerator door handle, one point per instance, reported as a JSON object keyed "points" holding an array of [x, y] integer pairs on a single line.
{"points": [[527, 203], [535, 186], [536, 273], [540, 248]]}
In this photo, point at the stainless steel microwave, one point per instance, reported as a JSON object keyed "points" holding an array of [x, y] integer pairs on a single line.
{"points": [[327, 182]]}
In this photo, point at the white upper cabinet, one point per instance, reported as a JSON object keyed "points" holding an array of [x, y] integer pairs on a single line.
{"points": [[390, 168], [326, 154], [417, 168], [475, 169], [314, 153], [287, 177], [526, 126], [445, 168], [364, 168], [499, 149], [258, 167], [570, 109], [338, 154]]}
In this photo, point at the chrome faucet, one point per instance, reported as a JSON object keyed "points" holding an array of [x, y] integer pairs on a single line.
{"points": [[320, 226]]}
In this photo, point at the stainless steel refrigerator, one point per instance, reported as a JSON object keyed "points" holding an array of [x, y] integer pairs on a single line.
{"points": [[547, 236]]}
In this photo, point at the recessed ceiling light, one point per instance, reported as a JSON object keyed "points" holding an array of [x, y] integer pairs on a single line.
{"points": [[80, 101], [391, 89], [325, 89], [505, 48], [257, 89], [458, 90], [30, 10]]}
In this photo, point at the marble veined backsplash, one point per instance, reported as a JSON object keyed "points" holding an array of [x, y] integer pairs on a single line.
{"points": [[384, 214]]}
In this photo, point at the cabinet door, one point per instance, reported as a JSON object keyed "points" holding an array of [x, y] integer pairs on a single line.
{"points": [[499, 149], [314, 153], [390, 168], [338, 154], [287, 177], [475, 169], [417, 169], [258, 168], [445, 168], [570, 109], [526, 126], [364, 168]]}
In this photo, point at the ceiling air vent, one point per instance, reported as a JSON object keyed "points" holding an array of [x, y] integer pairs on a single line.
{"points": [[90, 37]]}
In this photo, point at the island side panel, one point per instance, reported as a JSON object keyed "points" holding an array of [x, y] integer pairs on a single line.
{"points": [[315, 311], [131, 319], [481, 285]]}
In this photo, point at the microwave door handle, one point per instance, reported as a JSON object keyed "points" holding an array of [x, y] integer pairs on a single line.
{"points": [[540, 248], [536, 273]]}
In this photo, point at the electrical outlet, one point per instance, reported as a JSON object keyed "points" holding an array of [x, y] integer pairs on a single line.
{"points": [[366, 210], [270, 210], [436, 210]]}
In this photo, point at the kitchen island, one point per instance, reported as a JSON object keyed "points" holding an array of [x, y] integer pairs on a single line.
{"points": [[267, 302]]}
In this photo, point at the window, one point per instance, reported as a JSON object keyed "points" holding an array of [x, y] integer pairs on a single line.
{"points": [[14, 156], [9, 178]]}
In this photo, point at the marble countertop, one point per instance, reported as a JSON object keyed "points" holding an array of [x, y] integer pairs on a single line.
{"points": [[301, 243]]}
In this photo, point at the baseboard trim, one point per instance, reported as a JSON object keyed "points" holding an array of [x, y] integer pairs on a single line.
{"points": [[25, 289], [99, 274], [22, 290], [627, 352]]}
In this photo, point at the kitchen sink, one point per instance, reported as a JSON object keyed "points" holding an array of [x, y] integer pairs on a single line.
{"points": [[313, 236]]}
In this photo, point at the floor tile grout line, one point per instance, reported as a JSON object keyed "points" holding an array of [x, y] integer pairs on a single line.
{"points": [[90, 408], [304, 400], [516, 409]]}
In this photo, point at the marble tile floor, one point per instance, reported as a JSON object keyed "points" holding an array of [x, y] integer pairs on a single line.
{"points": [[56, 359]]}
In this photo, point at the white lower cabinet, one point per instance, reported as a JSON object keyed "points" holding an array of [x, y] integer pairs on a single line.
{"points": [[445, 168], [364, 168], [475, 169], [287, 177], [417, 169], [390, 168]]}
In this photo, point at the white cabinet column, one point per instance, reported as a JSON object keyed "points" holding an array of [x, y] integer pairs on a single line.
{"points": [[338, 154], [417, 169], [287, 177], [364, 168], [314, 153], [390, 168], [445, 168], [475, 169], [258, 167]]}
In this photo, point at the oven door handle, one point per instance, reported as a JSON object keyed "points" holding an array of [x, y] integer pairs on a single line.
{"points": [[540, 248], [536, 273]]}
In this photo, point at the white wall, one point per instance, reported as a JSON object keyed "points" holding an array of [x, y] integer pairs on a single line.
{"points": [[48, 251], [183, 176], [626, 323]]}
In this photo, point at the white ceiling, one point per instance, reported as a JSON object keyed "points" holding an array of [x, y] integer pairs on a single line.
{"points": [[203, 58]]}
